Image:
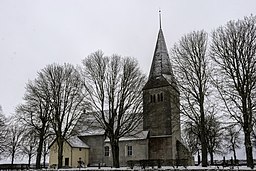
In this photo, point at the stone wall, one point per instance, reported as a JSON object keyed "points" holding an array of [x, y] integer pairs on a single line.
{"points": [[184, 154], [139, 151], [70, 153], [161, 148], [96, 144], [161, 117]]}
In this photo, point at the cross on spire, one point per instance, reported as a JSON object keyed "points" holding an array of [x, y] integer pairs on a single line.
{"points": [[160, 19]]}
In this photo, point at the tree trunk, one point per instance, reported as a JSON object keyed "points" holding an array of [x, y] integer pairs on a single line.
{"points": [[198, 157], [247, 115], [115, 153], [13, 154], [204, 150], [45, 153], [39, 151], [60, 152], [234, 154], [44, 160], [211, 156], [203, 137], [29, 159], [30, 155], [248, 149]]}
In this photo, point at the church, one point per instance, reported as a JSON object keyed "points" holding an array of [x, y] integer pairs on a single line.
{"points": [[158, 137]]}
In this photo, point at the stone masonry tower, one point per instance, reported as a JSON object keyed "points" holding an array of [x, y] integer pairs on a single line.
{"points": [[161, 105]]}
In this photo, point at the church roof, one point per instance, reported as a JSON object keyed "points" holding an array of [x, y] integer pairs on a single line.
{"points": [[142, 135], [87, 125], [76, 142], [161, 66]]}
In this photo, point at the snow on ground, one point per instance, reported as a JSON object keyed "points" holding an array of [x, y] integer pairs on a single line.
{"points": [[189, 168]]}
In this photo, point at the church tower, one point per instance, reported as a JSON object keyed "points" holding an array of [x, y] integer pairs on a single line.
{"points": [[161, 113]]}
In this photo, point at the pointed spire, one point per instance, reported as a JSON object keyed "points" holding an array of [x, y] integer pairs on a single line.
{"points": [[161, 70], [161, 63]]}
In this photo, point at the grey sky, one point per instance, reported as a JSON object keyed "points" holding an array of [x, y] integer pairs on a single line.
{"points": [[34, 33]]}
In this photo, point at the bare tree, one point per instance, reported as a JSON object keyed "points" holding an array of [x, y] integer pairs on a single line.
{"points": [[233, 140], [115, 86], [191, 66], [53, 101], [29, 144], [35, 113], [46, 148], [214, 136], [191, 138], [3, 132], [234, 51], [63, 86], [14, 139]]}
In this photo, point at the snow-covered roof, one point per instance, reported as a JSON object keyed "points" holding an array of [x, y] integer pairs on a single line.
{"points": [[87, 125], [76, 142], [139, 136], [92, 132]]}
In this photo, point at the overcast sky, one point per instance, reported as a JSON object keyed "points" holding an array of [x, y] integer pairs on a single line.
{"points": [[34, 33]]}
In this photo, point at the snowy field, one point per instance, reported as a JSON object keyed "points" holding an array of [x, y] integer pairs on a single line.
{"points": [[164, 168], [167, 168]]}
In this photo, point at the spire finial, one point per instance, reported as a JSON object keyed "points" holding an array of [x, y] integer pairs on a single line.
{"points": [[160, 18]]}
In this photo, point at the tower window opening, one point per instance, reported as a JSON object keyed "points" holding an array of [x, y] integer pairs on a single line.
{"points": [[156, 98], [160, 97], [153, 98]]}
